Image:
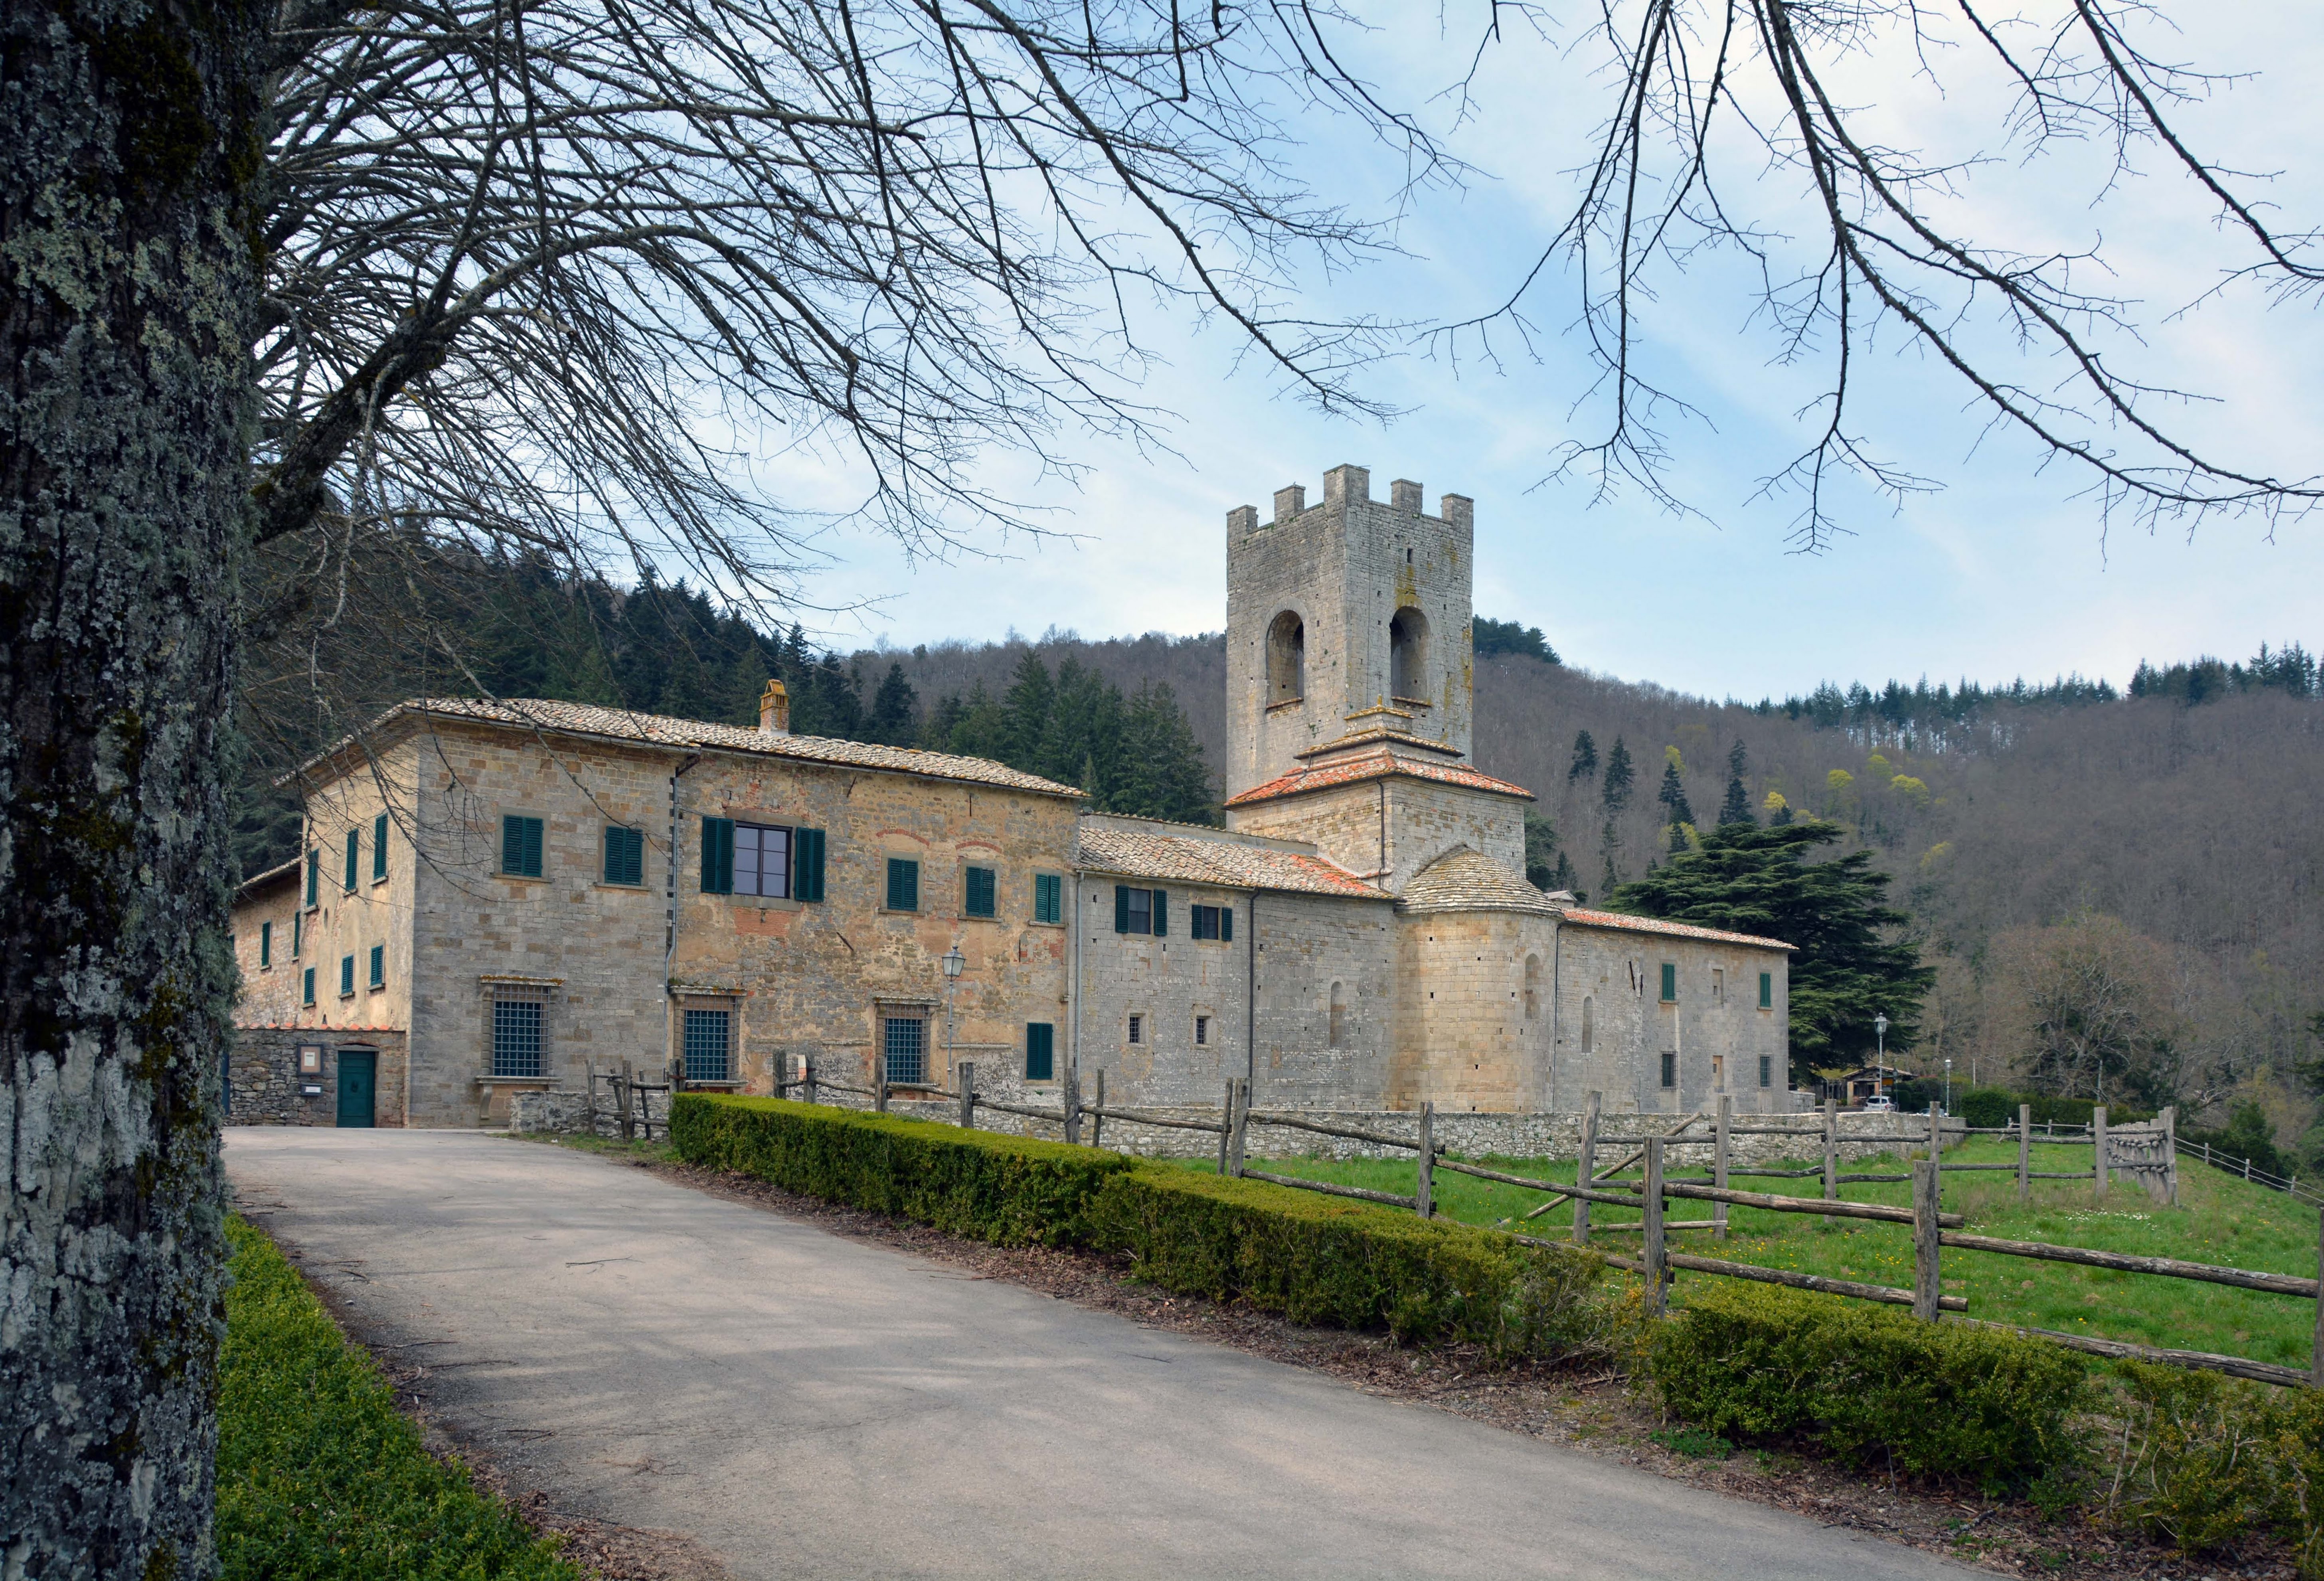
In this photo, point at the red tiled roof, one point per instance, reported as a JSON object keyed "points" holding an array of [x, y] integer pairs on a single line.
{"points": [[686, 734], [1376, 765], [1467, 880], [274, 874], [1582, 918], [1226, 863]]}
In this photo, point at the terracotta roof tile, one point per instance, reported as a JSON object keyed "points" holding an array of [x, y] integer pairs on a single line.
{"points": [[661, 730], [1582, 918], [1191, 859], [1465, 878], [1376, 765]]}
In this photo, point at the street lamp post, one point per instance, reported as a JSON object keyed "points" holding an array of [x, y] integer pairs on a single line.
{"points": [[1880, 1056], [955, 963], [1949, 1084]]}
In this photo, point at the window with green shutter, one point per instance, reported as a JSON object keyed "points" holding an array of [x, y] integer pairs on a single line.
{"points": [[1139, 910], [718, 856], [521, 846], [354, 856], [625, 855], [806, 865], [346, 973], [379, 965], [979, 890], [307, 986], [903, 885], [314, 877], [1766, 994], [266, 943], [298, 932], [1161, 913], [379, 848], [1048, 897], [1670, 984], [1040, 1051]]}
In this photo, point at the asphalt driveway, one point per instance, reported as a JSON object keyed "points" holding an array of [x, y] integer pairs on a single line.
{"points": [[806, 1405]]}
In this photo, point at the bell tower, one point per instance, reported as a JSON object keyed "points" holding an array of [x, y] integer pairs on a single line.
{"points": [[1347, 628]]}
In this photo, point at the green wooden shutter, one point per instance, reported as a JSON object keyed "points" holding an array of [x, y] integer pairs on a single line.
{"points": [[298, 932], [1766, 994], [314, 873], [346, 973], [1040, 1051], [1121, 908], [520, 846], [1670, 982], [718, 856], [1048, 898], [1226, 924], [806, 865], [307, 983], [266, 943], [354, 858], [903, 885], [379, 965], [977, 899], [1161, 914], [379, 846]]}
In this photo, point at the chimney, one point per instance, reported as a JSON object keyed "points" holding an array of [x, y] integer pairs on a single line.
{"points": [[775, 709]]}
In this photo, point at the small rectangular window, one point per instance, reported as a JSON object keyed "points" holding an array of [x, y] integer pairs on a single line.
{"points": [[379, 965], [1040, 1051], [1203, 923], [298, 932], [1670, 1067], [314, 875], [1766, 1070], [346, 973], [625, 855], [904, 1045], [266, 943], [1133, 910], [903, 885], [1766, 991], [762, 861], [354, 856], [1670, 983], [1137, 1029], [379, 848], [708, 1045], [979, 888], [1048, 897], [516, 1037], [521, 846], [1718, 984], [307, 986], [1202, 1029]]}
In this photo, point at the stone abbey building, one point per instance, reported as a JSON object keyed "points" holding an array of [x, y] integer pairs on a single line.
{"points": [[497, 895]]}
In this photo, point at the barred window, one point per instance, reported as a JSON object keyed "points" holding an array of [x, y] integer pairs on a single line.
{"points": [[1670, 1067], [904, 1045], [517, 1036], [708, 1040], [1766, 1070]]}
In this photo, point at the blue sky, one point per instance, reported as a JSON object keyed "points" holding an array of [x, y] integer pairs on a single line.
{"points": [[2002, 572]]}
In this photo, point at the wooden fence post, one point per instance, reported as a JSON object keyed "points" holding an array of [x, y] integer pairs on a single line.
{"points": [[1830, 1153], [629, 1130], [1226, 1125], [1926, 1285], [2171, 1152], [1073, 1105], [1936, 1133], [1423, 1199], [1718, 1166], [1097, 1121], [1239, 1102], [879, 1080], [2025, 1152], [964, 1073], [2099, 1136], [806, 1063], [1583, 1165], [1657, 1271]]}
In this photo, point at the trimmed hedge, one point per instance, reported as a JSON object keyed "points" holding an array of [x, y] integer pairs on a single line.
{"points": [[1313, 1259], [1870, 1384], [318, 1474], [1012, 1190], [1349, 1265]]}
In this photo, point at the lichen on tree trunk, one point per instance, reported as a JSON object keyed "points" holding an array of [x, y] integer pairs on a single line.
{"points": [[126, 238]]}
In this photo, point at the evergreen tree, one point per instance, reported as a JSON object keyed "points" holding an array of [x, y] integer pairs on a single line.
{"points": [[942, 718], [1164, 775], [1082, 744], [1544, 866], [1614, 789], [983, 730], [894, 708], [1736, 807], [1584, 765], [1834, 912], [1031, 694], [1672, 796]]}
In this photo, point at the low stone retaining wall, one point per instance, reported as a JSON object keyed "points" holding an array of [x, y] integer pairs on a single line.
{"points": [[544, 1113]]}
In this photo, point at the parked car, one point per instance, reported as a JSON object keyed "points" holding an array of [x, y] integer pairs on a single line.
{"points": [[1883, 1104]]}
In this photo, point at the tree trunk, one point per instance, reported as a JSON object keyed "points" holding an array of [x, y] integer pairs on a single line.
{"points": [[127, 239]]}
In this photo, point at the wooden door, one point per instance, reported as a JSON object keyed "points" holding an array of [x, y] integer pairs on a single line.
{"points": [[358, 1086]]}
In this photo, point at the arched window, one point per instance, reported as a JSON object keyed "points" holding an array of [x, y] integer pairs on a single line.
{"points": [[1533, 987], [1588, 1025], [1287, 658], [1407, 653], [1339, 1012]]}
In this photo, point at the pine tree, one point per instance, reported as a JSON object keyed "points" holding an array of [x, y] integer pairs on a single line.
{"points": [[1672, 796], [894, 708], [1736, 807], [983, 730], [1584, 765], [942, 718], [1614, 789], [1164, 775], [1543, 862], [1030, 696]]}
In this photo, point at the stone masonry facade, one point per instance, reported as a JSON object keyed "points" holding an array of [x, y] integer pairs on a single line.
{"points": [[529, 893]]}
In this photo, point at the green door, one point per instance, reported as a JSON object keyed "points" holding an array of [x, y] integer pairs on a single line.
{"points": [[358, 1081]]}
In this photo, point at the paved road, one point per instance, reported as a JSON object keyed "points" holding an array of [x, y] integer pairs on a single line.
{"points": [[810, 1406]]}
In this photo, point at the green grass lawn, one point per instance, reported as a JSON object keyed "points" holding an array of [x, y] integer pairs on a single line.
{"points": [[319, 1476], [2218, 1220]]}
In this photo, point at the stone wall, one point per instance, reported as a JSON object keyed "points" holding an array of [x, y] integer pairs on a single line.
{"points": [[265, 1088], [1610, 981], [560, 1111]]}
